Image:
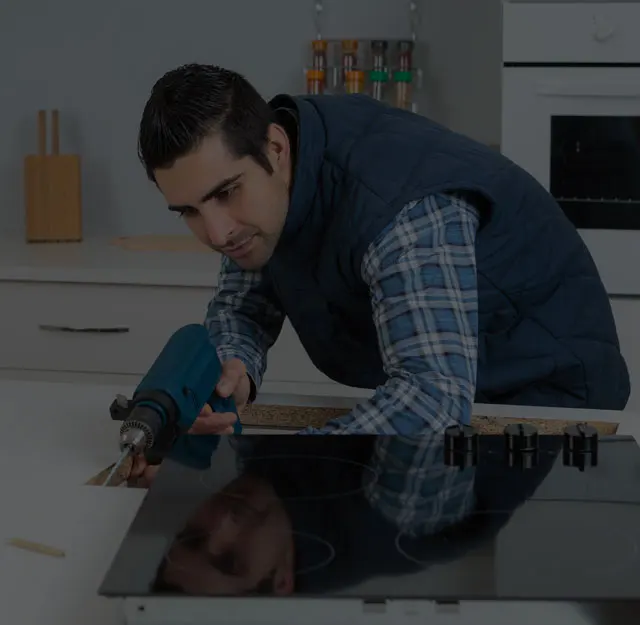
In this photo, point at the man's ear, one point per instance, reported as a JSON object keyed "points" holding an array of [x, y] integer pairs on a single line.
{"points": [[283, 581], [278, 142]]}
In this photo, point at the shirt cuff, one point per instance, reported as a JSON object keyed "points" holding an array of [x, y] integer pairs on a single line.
{"points": [[253, 370]]}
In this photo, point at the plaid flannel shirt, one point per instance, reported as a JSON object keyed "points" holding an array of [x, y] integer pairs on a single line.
{"points": [[421, 273]]}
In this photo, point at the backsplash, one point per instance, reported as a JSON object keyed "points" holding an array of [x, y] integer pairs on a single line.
{"points": [[96, 63]]}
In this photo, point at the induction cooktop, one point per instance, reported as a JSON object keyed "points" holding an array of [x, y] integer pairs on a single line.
{"points": [[514, 517]]}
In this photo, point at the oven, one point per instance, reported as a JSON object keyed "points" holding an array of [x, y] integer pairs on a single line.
{"points": [[571, 118]]}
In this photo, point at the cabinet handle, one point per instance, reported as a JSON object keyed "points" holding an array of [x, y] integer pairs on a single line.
{"points": [[114, 330]]}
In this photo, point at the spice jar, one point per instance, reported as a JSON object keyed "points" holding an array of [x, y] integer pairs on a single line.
{"points": [[354, 81], [315, 81]]}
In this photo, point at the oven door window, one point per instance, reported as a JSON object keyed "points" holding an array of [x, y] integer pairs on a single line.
{"points": [[577, 131], [595, 169]]}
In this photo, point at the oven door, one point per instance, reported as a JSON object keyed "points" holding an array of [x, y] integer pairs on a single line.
{"points": [[577, 130]]}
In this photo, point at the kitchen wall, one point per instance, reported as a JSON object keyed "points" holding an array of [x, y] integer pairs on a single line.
{"points": [[96, 63]]}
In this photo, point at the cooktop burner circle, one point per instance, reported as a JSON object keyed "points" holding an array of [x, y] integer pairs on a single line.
{"points": [[314, 464], [322, 560], [424, 550]]}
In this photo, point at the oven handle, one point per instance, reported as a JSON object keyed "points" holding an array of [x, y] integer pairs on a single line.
{"points": [[588, 90]]}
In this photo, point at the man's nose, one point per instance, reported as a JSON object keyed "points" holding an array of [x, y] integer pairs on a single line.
{"points": [[217, 225]]}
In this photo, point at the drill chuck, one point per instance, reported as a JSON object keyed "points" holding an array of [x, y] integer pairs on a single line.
{"points": [[135, 437], [140, 431]]}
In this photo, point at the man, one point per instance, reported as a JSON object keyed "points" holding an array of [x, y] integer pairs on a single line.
{"points": [[410, 260]]}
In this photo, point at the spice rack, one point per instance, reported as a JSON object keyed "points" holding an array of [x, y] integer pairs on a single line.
{"points": [[381, 68]]}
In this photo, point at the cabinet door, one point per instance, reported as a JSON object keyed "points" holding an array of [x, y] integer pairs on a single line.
{"points": [[91, 328], [121, 329], [627, 315]]}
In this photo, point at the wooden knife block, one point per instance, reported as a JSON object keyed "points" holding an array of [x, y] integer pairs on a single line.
{"points": [[53, 199]]}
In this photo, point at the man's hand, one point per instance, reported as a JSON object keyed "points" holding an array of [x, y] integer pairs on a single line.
{"points": [[233, 382]]}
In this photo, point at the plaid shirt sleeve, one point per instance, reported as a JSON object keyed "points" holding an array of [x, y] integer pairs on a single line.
{"points": [[421, 274], [244, 318], [422, 281]]}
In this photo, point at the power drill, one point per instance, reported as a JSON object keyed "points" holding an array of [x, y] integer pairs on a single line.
{"points": [[170, 397]]}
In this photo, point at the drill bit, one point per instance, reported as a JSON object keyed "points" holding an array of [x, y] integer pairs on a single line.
{"points": [[123, 456]]}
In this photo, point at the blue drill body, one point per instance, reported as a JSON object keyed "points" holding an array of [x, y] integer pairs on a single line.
{"points": [[170, 397]]}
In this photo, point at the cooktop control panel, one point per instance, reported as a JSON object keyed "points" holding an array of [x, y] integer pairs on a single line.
{"points": [[522, 446]]}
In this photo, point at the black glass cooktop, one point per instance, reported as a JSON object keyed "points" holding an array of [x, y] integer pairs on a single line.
{"points": [[449, 517]]}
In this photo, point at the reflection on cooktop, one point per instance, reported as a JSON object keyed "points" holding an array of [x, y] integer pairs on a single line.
{"points": [[458, 516], [306, 465]]}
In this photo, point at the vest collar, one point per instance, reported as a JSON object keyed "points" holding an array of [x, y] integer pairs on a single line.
{"points": [[311, 143]]}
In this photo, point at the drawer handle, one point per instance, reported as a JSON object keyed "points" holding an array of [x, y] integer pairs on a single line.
{"points": [[114, 330]]}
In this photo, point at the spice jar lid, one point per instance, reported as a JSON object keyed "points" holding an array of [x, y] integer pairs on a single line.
{"points": [[378, 75], [402, 76]]}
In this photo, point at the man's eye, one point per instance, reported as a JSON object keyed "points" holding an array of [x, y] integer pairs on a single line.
{"points": [[225, 195], [187, 212]]}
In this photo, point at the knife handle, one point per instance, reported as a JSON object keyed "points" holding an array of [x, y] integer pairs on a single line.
{"points": [[42, 133], [55, 132]]}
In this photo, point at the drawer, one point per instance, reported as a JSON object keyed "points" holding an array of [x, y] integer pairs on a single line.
{"points": [[116, 329], [562, 32], [92, 328]]}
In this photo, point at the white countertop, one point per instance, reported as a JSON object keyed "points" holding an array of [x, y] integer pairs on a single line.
{"points": [[98, 260], [54, 437]]}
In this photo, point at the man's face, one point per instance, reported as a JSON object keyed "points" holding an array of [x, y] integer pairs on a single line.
{"points": [[232, 205], [233, 543]]}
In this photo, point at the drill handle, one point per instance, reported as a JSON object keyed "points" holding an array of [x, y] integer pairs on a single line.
{"points": [[195, 450]]}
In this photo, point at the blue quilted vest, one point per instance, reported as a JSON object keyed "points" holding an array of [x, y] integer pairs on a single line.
{"points": [[547, 336]]}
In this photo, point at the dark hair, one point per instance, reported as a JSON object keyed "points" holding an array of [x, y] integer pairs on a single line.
{"points": [[189, 103]]}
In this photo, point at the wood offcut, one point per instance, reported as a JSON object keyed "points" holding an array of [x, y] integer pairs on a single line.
{"points": [[28, 545], [300, 417]]}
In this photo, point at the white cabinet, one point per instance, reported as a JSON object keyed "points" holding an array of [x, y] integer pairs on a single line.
{"points": [[119, 329], [570, 32], [88, 332], [627, 315], [91, 328]]}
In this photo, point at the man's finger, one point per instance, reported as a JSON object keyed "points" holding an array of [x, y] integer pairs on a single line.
{"points": [[206, 410], [150, 472], [213, 424], [138, 467]]}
